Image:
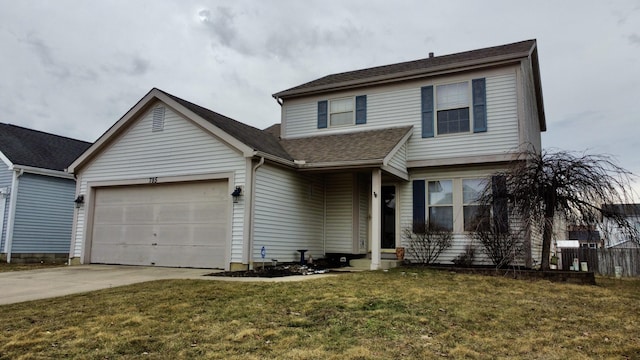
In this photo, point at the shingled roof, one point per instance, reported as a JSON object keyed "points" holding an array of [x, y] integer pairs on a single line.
{"points": [[414, 68], [257, 139], [363, 146], [38, 149]]}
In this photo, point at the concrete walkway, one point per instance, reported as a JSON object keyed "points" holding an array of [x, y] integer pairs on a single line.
{"points": [[18, 286]]}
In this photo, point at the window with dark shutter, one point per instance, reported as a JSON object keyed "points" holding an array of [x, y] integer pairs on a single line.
{"points": [[419, 219], [322, 114], [361, 109], [479, 105], [500, 203], [426, 96]]}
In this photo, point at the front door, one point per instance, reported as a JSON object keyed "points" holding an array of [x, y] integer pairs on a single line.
{"points": [[388, 231]]}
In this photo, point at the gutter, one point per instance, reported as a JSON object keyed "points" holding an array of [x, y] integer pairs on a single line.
{"points": [[12, 212], [42, 171], [253, 210]]}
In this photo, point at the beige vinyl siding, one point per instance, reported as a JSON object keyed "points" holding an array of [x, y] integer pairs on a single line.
{"points": [[363, 212], [502, 128], [288, 214], [180, 149], [399, 160], [400, 106], [530, 121], [339, 213]]}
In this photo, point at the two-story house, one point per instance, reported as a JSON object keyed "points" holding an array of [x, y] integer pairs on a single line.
{"points": [[358, 157]]}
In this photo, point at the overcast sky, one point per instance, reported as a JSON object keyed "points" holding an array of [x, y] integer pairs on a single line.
{"points": [[74, 67]]}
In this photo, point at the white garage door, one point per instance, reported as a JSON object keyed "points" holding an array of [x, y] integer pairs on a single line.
{"points": [[178, 224]]}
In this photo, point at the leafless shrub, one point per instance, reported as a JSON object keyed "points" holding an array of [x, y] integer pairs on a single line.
{"points": [[426, 244]]}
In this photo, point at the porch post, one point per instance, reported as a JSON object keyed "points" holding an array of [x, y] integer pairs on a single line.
{"points": [[376, 201]]}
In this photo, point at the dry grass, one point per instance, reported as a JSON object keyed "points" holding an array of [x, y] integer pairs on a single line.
{"points": [[380, 315], [4, 267]]}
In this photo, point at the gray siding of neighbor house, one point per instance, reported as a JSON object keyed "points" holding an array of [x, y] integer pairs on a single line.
{"points": [[6, 176], [44, 215], [288, 214]]}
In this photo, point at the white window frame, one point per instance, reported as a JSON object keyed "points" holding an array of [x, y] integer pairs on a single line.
{"points": [[437, 109], [483, 182], [330, 112], [458, 203], [447, 205]]}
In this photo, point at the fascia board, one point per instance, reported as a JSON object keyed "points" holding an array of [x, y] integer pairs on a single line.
{"points": [[113, 131], [45, 172], [5, 160], [247, 151], [395, 149], [141, 106]]}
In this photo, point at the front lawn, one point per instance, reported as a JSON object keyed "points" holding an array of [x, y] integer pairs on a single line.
{"points": [[4, 267], [412, 314]]}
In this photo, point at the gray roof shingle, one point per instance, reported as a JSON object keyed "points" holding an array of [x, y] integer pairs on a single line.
{"points": [[408, 68], [357, 146], [38, 149]]}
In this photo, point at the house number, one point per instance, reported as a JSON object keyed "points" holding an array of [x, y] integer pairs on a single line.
{"points": [[153, 180]]}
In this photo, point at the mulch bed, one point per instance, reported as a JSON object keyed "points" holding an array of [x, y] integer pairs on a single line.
{"points": [[274, 271]]}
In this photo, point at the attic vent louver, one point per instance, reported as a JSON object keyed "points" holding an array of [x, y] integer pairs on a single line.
{"points": [[158, 119]]}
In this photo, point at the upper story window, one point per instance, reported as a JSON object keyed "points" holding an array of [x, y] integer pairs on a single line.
{"points": [[452, 102], [342, 112], [454, 108]]}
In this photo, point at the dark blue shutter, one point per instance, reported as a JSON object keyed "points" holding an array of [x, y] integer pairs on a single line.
{"points": [[479, 105], [322, 114], [427, 111], [500, 203], [419, 218], [361, 109]]}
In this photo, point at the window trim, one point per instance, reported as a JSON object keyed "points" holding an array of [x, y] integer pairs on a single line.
{"points": [[476, 96], [469, 106], [353, 112], [457, 199]]}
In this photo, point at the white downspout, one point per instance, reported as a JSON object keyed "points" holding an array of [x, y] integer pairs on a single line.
{"points": [[12, 213], [253, 208]]}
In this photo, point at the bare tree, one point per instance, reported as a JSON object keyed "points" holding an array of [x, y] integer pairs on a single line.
{"points": [[574, 186]]}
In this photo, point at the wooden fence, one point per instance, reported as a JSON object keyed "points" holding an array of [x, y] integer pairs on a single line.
{"points": [[604, 261]]}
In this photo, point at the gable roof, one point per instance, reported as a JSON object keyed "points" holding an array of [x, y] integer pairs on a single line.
{"points": [[38, 149], [370, 147], [257, 139], [409, 69], [432, 65]]}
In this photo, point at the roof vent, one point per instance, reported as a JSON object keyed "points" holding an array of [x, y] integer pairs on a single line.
{"points": [[158, 119], [430, 55]]}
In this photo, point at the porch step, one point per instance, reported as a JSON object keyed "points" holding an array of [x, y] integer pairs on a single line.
{"points": [[365, 264]]}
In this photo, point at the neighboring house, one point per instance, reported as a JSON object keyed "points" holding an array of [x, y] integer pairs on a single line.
{"points": [[36, 194], [616, 238], [358, 157]]}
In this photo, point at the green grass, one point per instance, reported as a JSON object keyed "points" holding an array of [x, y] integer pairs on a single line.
{"points": [[372, 315]]}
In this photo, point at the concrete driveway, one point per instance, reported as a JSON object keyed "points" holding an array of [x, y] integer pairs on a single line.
{"points": [[18, 286]]}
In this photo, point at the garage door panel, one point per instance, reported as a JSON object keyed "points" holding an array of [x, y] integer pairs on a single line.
{"points": [[165, 256], [185, 224], [121, 254]]}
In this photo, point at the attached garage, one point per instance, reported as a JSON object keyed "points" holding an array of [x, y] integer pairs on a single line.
{"points": [[169, 224]]}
